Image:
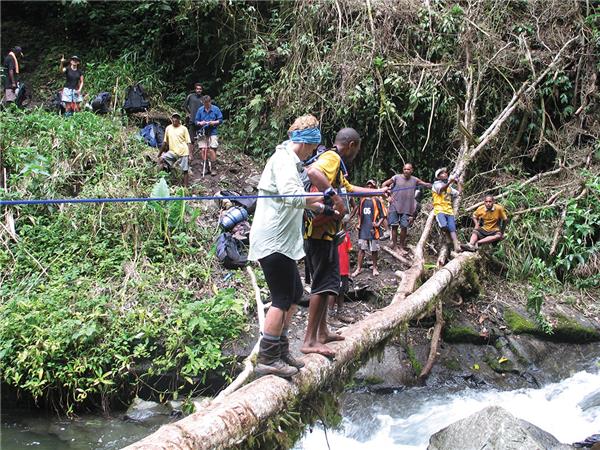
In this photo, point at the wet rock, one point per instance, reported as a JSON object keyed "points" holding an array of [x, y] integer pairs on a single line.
{"points": [[494, 428], [142, 411], [590, 401]]}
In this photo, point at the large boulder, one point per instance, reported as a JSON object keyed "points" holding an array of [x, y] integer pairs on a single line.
{"points": [[493, 428]]}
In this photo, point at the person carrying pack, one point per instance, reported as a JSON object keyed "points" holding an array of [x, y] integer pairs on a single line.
{"points": [[101, 103], [135, 99]]}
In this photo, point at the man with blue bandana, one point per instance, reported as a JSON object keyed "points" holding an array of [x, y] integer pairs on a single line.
{"points": [[276, 241], [321, 249]]}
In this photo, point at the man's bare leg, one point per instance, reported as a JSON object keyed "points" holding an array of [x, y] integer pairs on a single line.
{"points": [[318, 303], [402, 244], [323, 334], [395, 237], [375, 271]]}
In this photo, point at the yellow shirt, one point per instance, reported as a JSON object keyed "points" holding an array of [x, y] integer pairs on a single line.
{"points": [[329, 164], [442, 200], [178, 138], [491, 218]]}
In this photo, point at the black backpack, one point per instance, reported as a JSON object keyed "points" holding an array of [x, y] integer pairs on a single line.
{"points": [[55, 104], [135, 99], [229, 252], [101, 104], [23, 95]]}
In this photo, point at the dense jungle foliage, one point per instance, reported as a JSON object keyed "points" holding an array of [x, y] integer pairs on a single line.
{"points": [[90, 293]]}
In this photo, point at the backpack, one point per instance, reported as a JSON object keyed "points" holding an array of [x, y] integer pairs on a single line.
{"points": [[229, 252], [153, 134], [248, 203], [311, 219], [101, 104], [135, 99], [55, 104], [22, 94]]}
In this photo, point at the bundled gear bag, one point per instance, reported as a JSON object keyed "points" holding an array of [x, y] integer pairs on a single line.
{"points": [[135, 99], [153, 134], [101, 103], [229, 252], [232, 217]]}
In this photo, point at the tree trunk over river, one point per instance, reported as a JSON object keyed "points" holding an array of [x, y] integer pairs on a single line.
{"points": [[230, 421]]}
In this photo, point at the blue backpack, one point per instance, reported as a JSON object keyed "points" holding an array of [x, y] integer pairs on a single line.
{"points": [[153, 134], [229, 252]]}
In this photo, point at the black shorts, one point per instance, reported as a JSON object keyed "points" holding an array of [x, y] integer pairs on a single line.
{"points": [[481, 233], [324, 265], [283, 279]]}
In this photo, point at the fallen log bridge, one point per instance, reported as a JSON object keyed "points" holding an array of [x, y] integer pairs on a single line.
{"points": [[229, 421]]}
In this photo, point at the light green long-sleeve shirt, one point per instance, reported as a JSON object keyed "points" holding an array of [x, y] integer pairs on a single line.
{"points": [[277, 225]]}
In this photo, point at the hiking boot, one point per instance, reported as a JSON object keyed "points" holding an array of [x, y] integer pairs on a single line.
{"points": [[286, 356], [269, 361]]}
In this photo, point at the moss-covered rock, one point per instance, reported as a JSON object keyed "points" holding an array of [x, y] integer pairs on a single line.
{"points": [[519, 324], [569, 330], [463, 334], [564, 330], [499, 364]]}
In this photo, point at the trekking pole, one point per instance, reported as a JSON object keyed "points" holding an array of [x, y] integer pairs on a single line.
{"points": [[204, 161]]}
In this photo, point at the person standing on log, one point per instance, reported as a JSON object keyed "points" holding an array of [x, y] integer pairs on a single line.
{"points": [[489, 221], [403, 206], [326, 173], [442, 194], [276, 241]]}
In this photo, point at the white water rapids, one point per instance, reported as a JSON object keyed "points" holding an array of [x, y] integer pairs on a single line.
{"points": [[407, 419]]}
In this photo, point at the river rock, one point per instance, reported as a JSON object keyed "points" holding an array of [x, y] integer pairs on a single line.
{"points": [[145, 411], [494, 428], [590, 401]]}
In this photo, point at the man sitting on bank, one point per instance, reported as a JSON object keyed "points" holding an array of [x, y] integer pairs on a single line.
{"points": [[490, 221], [176, 145]]}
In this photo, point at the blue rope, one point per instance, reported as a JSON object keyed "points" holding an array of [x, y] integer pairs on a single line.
{"points": [[58, 201]]}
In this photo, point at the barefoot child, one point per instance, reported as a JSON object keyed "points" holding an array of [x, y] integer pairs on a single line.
{"points": [[371, 214]]}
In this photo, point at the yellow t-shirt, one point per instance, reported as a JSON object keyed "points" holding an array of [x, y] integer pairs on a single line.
{"points": [[329, 164], [491, 218], [442, 200], [178, 138]]}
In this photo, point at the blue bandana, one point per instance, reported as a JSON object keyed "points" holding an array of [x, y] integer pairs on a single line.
{"points": [[307, 136]]}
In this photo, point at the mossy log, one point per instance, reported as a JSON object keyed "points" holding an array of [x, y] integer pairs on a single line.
{"points": [[229, 422]]}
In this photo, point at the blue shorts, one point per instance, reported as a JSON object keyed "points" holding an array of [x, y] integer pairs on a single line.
{"points": [[446, 221], [395, 219]]}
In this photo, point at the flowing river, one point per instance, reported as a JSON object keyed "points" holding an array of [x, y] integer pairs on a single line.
{"points": [[400, 420], [406, 419]]}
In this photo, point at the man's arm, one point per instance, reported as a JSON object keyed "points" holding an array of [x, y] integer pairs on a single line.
{"points": [[423, 183], [219, 119], [318, 179], [388, 183], [475, 221]]}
